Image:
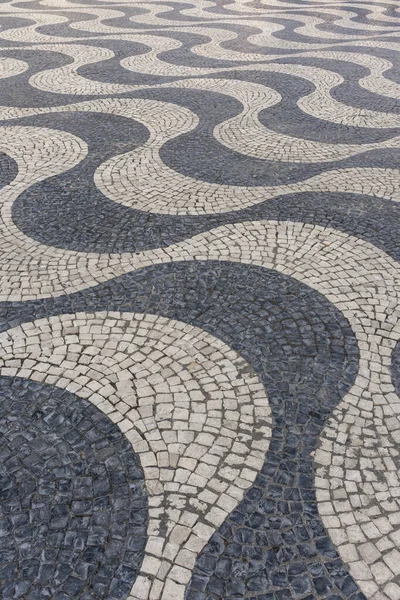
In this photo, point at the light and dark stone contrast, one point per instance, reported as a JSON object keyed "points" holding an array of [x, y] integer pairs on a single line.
{"points": [[73, 501], [199, 300]]}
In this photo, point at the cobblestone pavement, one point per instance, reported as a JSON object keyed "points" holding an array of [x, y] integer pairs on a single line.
{"points": [[200, 300]]}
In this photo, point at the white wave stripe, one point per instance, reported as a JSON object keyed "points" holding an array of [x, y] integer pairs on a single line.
{"points": [[242, 133], [193, 409], [66, 80], [26, 262], [165, 121], [29, 33], [375, 82], [328, 261], [30, 269], [149, 63], [243, 8], [10, 67], [311, 26], [319, 103], [357, 483], [357, 476], [357, 471], [138, 179], [40, 153]]}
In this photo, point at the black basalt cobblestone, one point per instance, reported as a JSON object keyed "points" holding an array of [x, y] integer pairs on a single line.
{"points": [[78, 508], [72, 499], [307, 357]]}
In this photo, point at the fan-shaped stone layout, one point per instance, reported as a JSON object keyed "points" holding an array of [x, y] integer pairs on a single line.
{"points": [[199, 300], [194, 410], [357, 476]]}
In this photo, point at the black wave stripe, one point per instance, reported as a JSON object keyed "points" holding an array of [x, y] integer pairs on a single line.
{"points": [[64, 29], [307, 357], [273, 546], [111, 71], [68, 211], [73, 504], [396, 368], [8, 169], [349, 92], [17, 91]]}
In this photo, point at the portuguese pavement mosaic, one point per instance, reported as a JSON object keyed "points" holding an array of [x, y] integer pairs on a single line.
{"points": [[200, 300]]}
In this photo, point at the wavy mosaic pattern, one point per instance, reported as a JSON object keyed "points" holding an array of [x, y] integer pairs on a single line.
{"points": [[199, 300]]}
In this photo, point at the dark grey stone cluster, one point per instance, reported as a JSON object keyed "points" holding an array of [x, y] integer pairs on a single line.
{"points": [[72, 499], [307, 357], [396, 368], [73, 503]]}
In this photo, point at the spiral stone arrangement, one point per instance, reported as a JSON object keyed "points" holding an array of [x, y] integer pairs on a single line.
{"points": [[199, 300]]}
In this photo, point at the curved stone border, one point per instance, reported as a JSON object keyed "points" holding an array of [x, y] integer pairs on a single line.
{"points": [[73, 501], [193, 409]]}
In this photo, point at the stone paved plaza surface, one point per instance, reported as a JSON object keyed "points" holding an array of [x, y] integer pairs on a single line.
{"points": [[199, 300]]}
